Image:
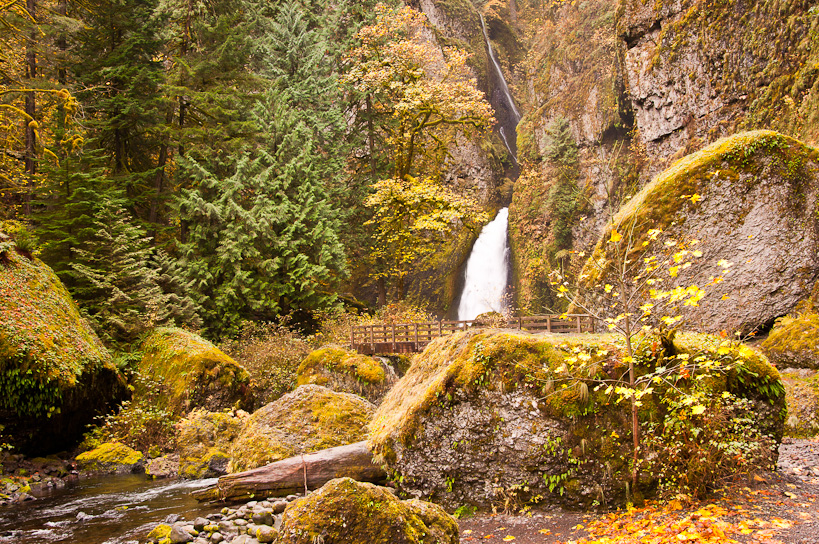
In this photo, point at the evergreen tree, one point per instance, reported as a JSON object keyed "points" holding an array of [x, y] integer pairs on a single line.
{"points": [[262, 242]]}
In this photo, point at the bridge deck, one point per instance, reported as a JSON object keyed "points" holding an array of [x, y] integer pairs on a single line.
{"points": [[386, 338]]}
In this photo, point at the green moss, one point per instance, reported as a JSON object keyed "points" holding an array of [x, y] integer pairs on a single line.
{"points": [[195, 372], [348, 511], [109, 456], [362, 368], [204, 437]]}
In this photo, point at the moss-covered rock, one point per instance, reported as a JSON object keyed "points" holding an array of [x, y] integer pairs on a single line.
{"points": [[496, 419], [345, 511], [345, 371], [751, 199], [112, 458], [802, 395], [794, 340], [203, 441], [55, 374], [196, 373], [311, 418]]}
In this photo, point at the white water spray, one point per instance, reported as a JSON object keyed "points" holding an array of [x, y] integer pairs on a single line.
{"points": [[487, 271], [499, 73]]}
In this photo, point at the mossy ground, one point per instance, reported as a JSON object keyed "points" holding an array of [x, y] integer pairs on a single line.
{"points": [[346, 511], [196, 373]]}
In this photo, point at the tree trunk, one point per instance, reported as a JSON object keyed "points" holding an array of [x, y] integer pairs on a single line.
{"points": [[31, 106], [294, 474]]}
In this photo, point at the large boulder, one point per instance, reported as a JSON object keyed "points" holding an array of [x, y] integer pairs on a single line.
{"points": [[498, 419], [345, 511], [195, 372], [349, 372], [55, 374], [311, 418], [203, 441], [750, 199]]}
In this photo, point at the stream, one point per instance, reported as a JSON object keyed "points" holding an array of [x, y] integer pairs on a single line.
{"points": [[101, 510]]}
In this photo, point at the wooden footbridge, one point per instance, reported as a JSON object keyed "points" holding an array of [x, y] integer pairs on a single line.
{"points": [[388, 338]]}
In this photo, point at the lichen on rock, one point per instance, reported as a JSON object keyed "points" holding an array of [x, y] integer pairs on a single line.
{"points": [[55, 374], [345, 371], [112, 458], [196, 373], [345, 511], [311, 418], [497, 419]]}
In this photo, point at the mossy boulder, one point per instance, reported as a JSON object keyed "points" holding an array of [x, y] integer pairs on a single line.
{"points": [[794, 340], [203, 441], [500, 419], [311, 418], [112, 458], [349, 372], [802, 395], [751, 199], [55, 374], [345, 511], [196, 373]]}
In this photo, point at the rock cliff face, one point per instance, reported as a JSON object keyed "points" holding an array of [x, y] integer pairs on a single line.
{"points": [[55, 374], [698, 70]]}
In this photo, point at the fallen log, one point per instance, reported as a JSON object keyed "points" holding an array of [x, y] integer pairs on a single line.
{"points": [[294, 474]]}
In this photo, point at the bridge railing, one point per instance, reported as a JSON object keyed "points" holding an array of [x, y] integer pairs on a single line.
{"points": [[414, 337]]}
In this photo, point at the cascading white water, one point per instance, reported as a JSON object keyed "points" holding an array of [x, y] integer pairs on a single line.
{"points": [[508, 147], [499, 73], [487, 271]]}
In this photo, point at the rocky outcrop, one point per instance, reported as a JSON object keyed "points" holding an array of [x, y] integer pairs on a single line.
{"points": [[757, 196], [203, 441], [346, 511], [195, 372], [309, 419], [496, 419], [55, 374], [699, 70], [347, 372]]}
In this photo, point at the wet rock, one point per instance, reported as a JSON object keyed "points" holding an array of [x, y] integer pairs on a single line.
{"points": [[266, 534], [112, 458], [163, 467], [263, 518], [199, 524]]}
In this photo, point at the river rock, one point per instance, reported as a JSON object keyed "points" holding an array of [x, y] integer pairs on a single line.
{"points": [[345, 511], [311, 418], [196, 373], [749, 199], [166, 466], [346, 371], [112, 458], [55, 374], [498, 419]]}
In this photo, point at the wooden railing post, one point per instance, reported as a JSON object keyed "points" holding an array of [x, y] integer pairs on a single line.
{"points": [[416, 335], [549, 323], [579, 326], [372, 336], [393, 336], [440, 329]]}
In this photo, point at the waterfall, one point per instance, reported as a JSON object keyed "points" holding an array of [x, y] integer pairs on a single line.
{"points": [[504, 87], [487, 271]]}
